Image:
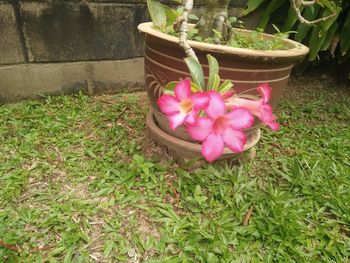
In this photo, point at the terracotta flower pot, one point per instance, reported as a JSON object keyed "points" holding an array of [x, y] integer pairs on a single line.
{"points": [[188, 150], [244, 67]]}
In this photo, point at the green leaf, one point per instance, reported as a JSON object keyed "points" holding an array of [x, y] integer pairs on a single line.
{"points": [[225, 86], [193, 17], [157, 13], [276, 28], [213, 73], [316, 43], [192, 33], [291, 19], [318, 35], [57, 251], [328, 4], [330, 35], [198, 190], [68, 257], [344, 36], [80, 259], [169, 213], [171, 15], [217, 34], [109, 246], [196, 72], [272, 6], [180, 10], [170, 88], [214, 83], [251, 6], [195, 87], [232, 20], [309, 13], [328, 23], [213, 65], [212, 258]]}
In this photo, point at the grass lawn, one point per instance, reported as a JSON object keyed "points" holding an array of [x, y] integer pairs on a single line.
{"points": [[81, 182]]}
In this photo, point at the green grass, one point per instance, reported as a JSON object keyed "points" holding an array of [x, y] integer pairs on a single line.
{"points": [[79, 182]]}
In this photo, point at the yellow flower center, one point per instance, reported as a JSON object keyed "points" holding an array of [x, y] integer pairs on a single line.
{"points": [[186, 106]]}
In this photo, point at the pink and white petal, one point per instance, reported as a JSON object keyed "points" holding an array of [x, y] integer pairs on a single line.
{"points": [[212, 147], [216, 106], [183, 89], [200, 100], [273, 125], [251, 105], [200, 129], [265, 113], [267, 117], [228, 94], [265, 92], [191, 117], [168, 104], [234, 139], [176, 120], [239, 118]]}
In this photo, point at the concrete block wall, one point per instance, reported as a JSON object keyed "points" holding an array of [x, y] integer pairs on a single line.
{"points": [[10, 38], [62, 46]]}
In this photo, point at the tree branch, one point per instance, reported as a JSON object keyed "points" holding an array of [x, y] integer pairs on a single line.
{"points": [[182, 25], [306, 3], [296, 4]]}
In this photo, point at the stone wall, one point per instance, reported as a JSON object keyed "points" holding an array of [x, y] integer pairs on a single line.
{"points": [[61, 46]]}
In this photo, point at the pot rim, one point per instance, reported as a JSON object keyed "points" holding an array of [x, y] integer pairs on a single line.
{"points": [[298, 50]]}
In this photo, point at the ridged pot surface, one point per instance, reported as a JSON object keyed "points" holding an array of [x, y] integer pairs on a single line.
{"points": [[245, 68]]}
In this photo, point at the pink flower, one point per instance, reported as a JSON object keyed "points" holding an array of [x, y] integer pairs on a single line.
{"points": [[259, 108], [220, 128], [182, 108]]}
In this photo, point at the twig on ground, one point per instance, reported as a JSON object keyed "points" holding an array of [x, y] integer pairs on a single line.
{"points": [[42, 248], [16, 248], [104, 101], [173, 189], [247, 216], [9, 246], [119, 115], [176, 193]]}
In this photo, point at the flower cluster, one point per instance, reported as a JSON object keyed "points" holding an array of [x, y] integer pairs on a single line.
{"points": [[217, 120]]}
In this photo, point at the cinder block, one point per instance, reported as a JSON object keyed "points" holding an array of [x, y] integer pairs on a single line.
{"points": [[10, 45], [121, 75], [63, 31], [34, 79]]}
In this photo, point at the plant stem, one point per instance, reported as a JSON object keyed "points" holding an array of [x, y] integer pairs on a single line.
{"points": [[214, 19], [182, 22], [296, 4]]}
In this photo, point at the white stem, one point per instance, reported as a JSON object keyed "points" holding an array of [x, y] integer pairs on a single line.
{"points": [[306, 3], [182, 21], [296, 6]]}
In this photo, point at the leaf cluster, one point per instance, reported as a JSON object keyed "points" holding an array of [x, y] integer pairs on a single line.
{"points": [[198, 81], [331, 35]]}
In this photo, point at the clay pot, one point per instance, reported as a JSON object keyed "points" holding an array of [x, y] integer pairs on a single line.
{"points": [[244, 67], [185, 150]]}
